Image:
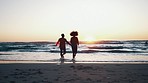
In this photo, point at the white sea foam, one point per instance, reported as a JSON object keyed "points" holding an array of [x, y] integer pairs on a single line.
{"points": [[106, 51]]}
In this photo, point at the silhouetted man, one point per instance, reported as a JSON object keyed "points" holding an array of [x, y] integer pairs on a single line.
{"points": [[62, 45]]}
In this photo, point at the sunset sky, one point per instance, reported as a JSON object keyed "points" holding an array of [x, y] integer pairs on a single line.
{"points": [[45, 20]]}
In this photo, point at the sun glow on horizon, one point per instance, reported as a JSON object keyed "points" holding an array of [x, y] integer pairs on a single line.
{"points": [[90, 39]]}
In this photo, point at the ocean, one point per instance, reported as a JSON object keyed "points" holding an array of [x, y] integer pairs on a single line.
{"points": [[100, 51]]}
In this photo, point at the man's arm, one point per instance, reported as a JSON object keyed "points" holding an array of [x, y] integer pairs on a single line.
{"points": [[57, 42], [67, 42]]}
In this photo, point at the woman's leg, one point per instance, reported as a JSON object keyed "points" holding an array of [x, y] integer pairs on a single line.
{"points": [[74, 50]]}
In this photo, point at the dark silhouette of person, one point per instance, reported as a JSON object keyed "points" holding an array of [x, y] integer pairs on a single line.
{"points": [[74, 43], [62, 45]]}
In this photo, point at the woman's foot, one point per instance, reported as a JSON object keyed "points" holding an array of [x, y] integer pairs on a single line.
{"points": [[73, 59]]}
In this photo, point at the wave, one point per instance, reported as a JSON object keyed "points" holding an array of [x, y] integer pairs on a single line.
{"points": [[97, 51], [107, 47], [102, 46]]}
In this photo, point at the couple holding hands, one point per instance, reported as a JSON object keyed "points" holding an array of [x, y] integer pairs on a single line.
{"points": [[74, 42]]}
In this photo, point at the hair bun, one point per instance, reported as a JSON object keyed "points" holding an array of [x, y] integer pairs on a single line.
{"points": [[74, 33]]}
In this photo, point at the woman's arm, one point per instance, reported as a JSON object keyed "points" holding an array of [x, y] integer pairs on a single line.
{"points": [[77, 41]]}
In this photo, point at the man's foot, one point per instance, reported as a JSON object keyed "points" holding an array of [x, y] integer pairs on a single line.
{"points": [[64, 53]]}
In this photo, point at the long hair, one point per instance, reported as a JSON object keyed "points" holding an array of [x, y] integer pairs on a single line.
{"points": [[74, 33]]}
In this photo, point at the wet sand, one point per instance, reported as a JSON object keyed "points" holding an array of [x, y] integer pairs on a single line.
{"points": [[73, 73]]}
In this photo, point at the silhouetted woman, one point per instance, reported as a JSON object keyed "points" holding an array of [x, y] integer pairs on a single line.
{"points": [[74, 43], [62, 45]]}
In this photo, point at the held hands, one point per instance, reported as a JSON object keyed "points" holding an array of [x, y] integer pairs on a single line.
{"points": [[70, 44]]}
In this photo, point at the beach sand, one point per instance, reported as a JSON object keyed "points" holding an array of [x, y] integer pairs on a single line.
{"points": [[73, 73]]}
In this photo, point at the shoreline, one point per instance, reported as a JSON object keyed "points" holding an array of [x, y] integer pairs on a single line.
{"points": [[71, 61]]}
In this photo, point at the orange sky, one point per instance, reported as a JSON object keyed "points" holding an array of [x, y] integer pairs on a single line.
{"points": [[45, 20]]}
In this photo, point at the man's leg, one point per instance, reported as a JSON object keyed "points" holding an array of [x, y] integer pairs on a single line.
{"points": [[64, 51], [61, 53]]}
